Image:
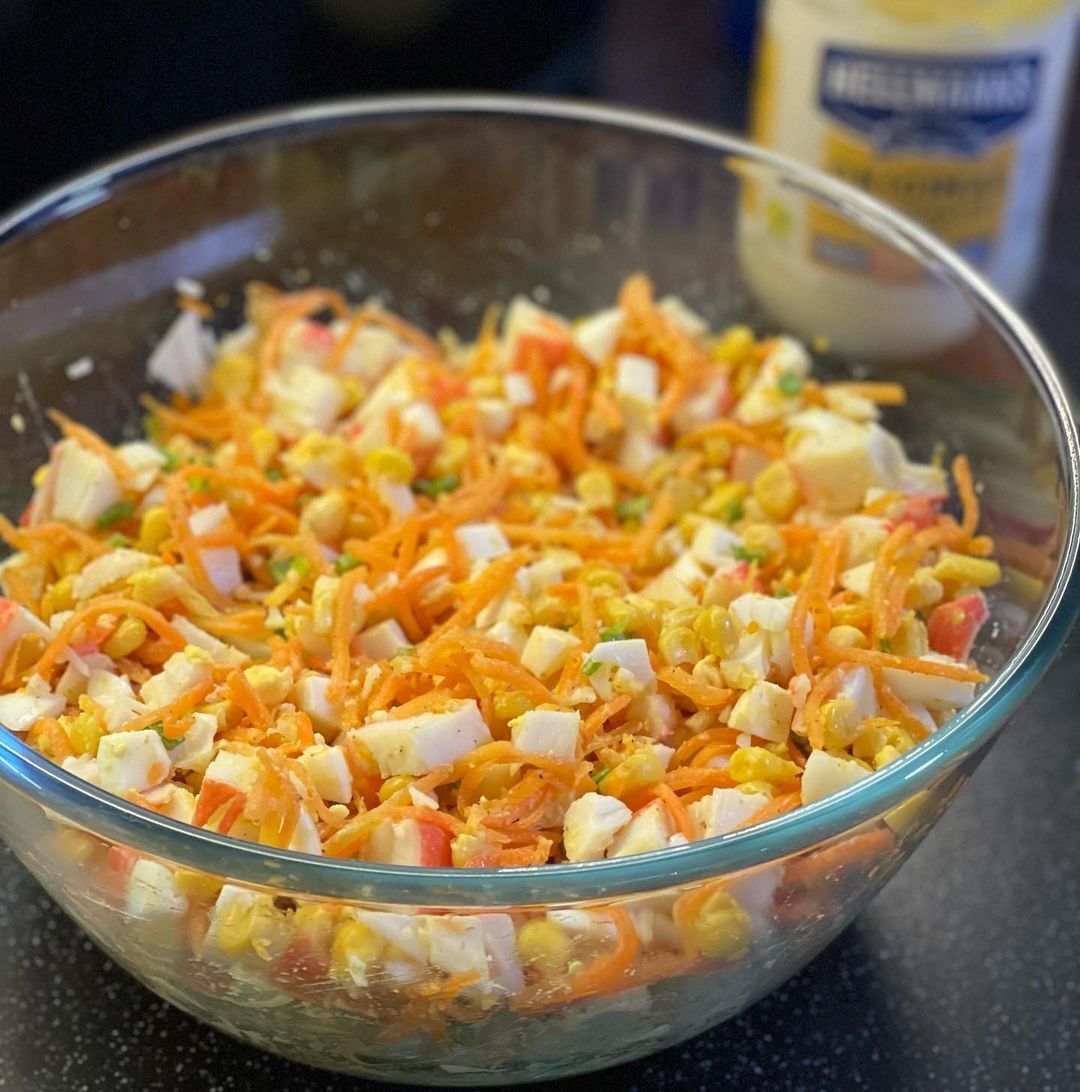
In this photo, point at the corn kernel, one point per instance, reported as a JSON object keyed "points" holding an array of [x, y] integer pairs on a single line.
{"points": [[232, 375], [154, 529], [636, 771], [450, 458], [910, 638], [352, 390], [70, 562], [885, 755], [924, 590], [680, 645], [197, 885], [717, 629], [265, 444], [762, 788], [596, 489], [597, 575], [758, 764], [270, 683], [511, 703], [776, 490], [544, 944], [840, 721], [877, 735], [847, 637], [720, 502], [717, 451], [709, 674], [234, 929], [734, 345], [326, 515], [75, 845], [719, 929], [60, 596], [762, 536], [128, 635], [980, 571], [390, 463], [397, 783]]}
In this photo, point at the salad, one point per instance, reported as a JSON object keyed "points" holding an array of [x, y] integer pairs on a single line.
{"points": [[572, 590]]}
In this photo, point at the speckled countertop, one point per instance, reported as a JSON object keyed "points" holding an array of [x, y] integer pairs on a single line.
{"points": [[964, 974]]}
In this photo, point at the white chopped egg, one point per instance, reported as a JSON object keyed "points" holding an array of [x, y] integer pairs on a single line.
{"points": [[113, 693], [384, 640], [152, 892], [305, 399], [648, 830], [858, 579], [132, 761], [639, 452], [724, 810], [857, 683], [145, 462], [370, 352], [181, 359], [590, 825], [518, 389], [932, 691], [547, 731], [196, 746], [768, 613], [637, 379], [825, 774], [397, 496], [547, 650], [416, 745], [425, 423], [181, 672], [713, 542], [21, 710], [597, 335], [312, 699], [482, 541], [222, 563], [329, 772], [748, 663], [631, 654], [765, 710], [81, 484]]}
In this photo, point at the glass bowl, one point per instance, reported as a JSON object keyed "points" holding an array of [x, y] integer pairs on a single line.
{"points": [[440, 205]]}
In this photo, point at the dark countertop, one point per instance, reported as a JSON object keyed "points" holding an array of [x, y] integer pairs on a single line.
{"points": [[963, 974]]}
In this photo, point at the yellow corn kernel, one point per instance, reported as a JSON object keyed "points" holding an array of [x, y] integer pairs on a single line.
{"points": [[910, 638], [84, 730], [680, 645], [717, 630], [627, 615], [512, 703], [848, 614], [390, 463], [353, 391], [980, 571], [232, 375], [354, 940], [841, 722], [706, 672], [395, 784], [450, 458], [720, 502], [762, 536], [636, 771], [717, 451], [758, 764], [154, 529], [59, 596], [777, 490], [597, 575], [596, 489], [758, 787], [326, 515], [719, 929], [70, 562], [196, 885], [847, 637], [734, 345], [265, 444], [128, 635], [545, 945], [234, 929], [75, 845], [486, 386], [270, 683], [924, 590]]}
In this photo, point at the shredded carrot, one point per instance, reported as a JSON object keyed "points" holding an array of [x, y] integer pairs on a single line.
{"points": [[703, 695], [245, 696], [965, 486], [681, 817], [872, 657], [777, 806], [884, 394], [169, 714]]}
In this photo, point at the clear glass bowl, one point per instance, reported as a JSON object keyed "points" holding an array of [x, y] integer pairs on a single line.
{"points": [[442, 204]]}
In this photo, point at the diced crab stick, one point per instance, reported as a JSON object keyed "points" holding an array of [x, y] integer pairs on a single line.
{"points": [[79, 486], [724, 810], [953, 627], [547, 731], [132, 760], [597, 335], [649, 829], [222, 563], [181, 359], [590, 825], [16, 622], [533, 334], [410, 842]]}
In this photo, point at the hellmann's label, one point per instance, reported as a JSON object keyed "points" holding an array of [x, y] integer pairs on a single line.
{"points": [[959, 135]]}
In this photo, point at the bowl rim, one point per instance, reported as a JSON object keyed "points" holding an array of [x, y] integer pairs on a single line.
{"points": [[79, 803]]}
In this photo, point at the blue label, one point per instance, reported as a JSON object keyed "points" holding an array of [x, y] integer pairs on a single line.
{"points": [[929, 103]]}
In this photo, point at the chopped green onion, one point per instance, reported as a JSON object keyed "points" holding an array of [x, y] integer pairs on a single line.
{"points": [[305, 498], [171, 461], [117, 540], [885, 644], [200, 484], [781, 592], [274, 474], [590, 667], [601, 774], [631, 507], [279, 568], [116, 513], [789, 383], [432, 487], [151, 426], [614, 633], [345, 562], [747, 553], [300, 564], [170, 744], [733, 511]]}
